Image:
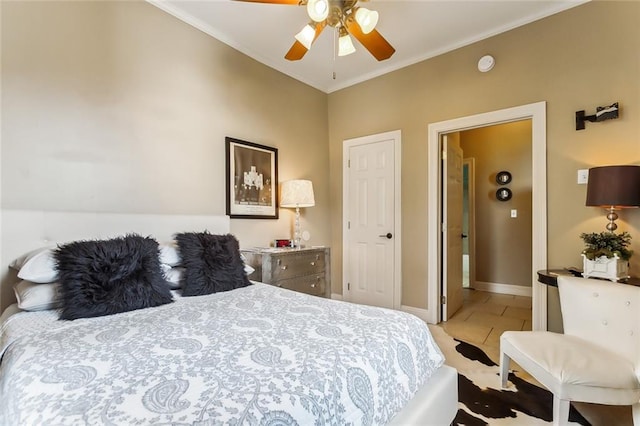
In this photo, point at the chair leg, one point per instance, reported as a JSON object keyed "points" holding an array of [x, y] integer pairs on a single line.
{"points": [[636, 414], [560, 411], [504, 369]]}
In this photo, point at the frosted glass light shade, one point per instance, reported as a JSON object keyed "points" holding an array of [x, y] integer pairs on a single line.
{"points": [[297, 193], [345, 45], [367, 19], [306, 36], [318, 10]]}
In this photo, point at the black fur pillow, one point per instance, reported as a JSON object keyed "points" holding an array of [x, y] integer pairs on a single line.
{"points": [[110, 276], [212, 263]]}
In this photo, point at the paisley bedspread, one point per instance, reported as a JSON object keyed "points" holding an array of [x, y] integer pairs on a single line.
{"points": [[256, 355]]}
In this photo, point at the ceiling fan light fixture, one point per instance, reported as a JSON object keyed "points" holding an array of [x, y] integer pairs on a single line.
{"points": [[318, 10], [367, 19], [345, 45], [306, 36]]}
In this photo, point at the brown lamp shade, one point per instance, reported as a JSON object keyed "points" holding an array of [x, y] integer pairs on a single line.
{"points": [[614, 186]]}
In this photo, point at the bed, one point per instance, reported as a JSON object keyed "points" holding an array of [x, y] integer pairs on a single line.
{"points": [[252, 355]]}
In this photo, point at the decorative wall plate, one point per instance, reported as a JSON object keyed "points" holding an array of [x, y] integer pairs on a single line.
{"points": [[503, 177], [504, 194]]}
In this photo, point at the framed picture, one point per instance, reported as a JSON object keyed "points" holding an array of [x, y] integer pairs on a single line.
{"points": [[252, 180]]}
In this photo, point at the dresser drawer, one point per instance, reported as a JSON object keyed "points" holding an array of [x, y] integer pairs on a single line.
{"points": [[306, 270], [314, 285], [292, 265]]}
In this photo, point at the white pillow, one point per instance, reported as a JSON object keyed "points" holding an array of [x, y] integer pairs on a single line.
{"points": [[169, 254], [173, 276], [37, 266], [37, 297]]}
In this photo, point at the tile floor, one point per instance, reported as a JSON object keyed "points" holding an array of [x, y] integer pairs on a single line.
{"points": [[484, 316]]}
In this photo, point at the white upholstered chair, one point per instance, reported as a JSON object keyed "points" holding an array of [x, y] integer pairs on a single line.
{"points": [[596, 360]]}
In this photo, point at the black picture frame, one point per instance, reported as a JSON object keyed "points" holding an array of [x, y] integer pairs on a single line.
{"points": [[251, 180]]}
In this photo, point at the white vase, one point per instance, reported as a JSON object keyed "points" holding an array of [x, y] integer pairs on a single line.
{"points": [[613, 269]]}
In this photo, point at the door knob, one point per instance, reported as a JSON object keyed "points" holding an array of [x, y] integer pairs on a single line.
{"points": [[388, 235], [463, 236]]}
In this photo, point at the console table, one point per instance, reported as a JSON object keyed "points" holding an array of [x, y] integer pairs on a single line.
{"points": [[550, 277]]}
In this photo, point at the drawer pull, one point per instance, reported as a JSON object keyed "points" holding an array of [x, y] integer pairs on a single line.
{"points": [[283, 267], [313, 263], [313, 285]]}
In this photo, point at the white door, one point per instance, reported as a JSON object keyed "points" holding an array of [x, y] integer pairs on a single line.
{"points": [[371, 206], [452, 226]]}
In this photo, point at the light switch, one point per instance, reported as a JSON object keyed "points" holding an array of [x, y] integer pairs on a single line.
{"points": [[583, 176], [514, 213]]}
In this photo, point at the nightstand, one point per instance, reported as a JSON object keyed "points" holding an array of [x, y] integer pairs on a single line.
{"points": [[306, 270]]}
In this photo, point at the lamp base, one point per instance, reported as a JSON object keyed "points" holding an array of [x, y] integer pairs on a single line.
{"points": [[612, 216], [296, 234]]}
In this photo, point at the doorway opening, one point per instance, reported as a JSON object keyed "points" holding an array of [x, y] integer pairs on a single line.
{"points": [[537, 114]]}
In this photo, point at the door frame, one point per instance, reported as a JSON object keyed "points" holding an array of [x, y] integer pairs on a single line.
{"points": [[396, 137], [537, 113]]}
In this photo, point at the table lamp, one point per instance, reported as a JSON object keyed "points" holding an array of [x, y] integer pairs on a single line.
{"points": [[297, 193], [613, 188]]}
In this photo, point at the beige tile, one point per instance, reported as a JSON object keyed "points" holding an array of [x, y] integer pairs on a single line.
{"points": [[488, 307], [469, 332], [501, 299], [462, 314], [521, 302], [493, 339], [495, 321], [519, 313], [476, 295]]}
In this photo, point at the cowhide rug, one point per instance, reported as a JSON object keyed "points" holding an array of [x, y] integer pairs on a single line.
{"points": [[481, 400]]}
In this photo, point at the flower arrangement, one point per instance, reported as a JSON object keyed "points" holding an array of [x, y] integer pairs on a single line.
{"points": [[606, 244]]}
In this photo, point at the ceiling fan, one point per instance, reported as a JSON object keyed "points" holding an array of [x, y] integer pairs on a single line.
{"points": [[343, 15]]}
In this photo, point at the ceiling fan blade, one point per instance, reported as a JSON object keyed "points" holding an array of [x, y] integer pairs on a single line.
{"points": [[298, 50], [373, 42], [294, 2]]}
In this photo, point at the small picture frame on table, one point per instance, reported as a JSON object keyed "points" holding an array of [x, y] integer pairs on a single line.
{"points": [[252, 180]]}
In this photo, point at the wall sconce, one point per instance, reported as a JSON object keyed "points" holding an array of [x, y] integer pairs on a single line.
{"points": [[297, 193], [602, 114], [502, 178], [613, 188]]}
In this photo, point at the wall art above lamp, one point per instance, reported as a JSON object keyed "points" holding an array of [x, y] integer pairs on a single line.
{"points": [[297, 193]]}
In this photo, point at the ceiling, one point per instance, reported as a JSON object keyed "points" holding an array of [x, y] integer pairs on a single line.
{"points": [[417, 29]]}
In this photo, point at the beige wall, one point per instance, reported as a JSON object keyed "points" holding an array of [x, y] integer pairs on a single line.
{"points": [[117, 106], [578, 59], [120, 107], [503, 243]]}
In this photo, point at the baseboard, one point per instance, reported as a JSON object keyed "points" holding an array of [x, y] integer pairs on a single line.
{"points": [[514, 290], [336, 296], [423, 314]]}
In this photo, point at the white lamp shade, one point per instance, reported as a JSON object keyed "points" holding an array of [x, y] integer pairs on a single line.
{"points": [[345, 46], [318, 10], [297, 193], [306, 36], [367, 19]]}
